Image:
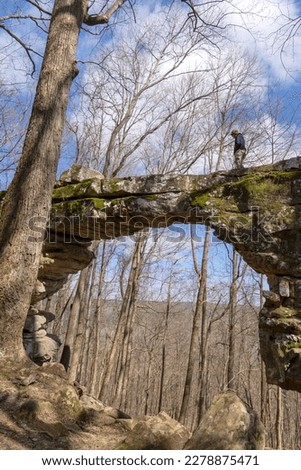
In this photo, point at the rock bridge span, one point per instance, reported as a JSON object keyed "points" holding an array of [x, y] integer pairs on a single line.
{"points": [[256, 209]]}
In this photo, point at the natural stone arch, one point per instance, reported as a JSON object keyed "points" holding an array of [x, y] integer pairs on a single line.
{"points": [[256, 209]]}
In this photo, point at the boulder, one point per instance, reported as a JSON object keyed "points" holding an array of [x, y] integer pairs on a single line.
{"points": [[40, 346], [77, 173], [159, 432], [229, 424]]}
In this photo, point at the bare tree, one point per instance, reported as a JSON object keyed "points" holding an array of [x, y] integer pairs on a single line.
{"points": [[20, 250]]}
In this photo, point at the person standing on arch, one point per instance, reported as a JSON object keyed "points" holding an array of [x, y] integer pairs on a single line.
{"points": [[239, 148]]}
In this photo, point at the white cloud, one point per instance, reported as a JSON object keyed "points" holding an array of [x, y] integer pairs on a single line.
{"points": [[263, 27]]}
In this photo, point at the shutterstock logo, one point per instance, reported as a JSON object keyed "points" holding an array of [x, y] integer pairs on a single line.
{"points": [[248, 227]]}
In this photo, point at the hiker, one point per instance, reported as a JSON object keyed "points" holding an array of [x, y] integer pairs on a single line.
{"points": [[239, 148]]}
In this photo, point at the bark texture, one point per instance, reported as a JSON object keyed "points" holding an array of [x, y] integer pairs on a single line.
{"points": [[30, 192]]}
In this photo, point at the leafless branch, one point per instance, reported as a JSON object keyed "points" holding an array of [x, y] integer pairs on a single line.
{"points": [[28, 50], [35, 4], [92, 20]]}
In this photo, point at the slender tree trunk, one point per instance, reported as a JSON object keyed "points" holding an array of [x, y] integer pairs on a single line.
{"points": [[203, 372], [78, 343], [89, 321], [68, 359], [263, 381], [163, 365], [131, 304], [147, 386], [232, 321], [119, 349], [199, 320], [95, 373], [28, 199], [279, 419]]}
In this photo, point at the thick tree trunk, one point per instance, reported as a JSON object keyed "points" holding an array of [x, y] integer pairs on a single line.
{"points": [[29, 195]]}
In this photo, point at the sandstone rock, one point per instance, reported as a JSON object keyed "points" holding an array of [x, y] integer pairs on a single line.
{"points": [[284, 289], [40, 346], [272, 299], [98, 414], [229, 424], [155, 432], [77, 173], [55, 368]]}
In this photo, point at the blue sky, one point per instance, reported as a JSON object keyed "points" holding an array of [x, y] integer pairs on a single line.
{"points": [[261, 27], [256, 25]]}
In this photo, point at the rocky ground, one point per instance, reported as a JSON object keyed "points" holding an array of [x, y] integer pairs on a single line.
{"points": [[39, 409]]}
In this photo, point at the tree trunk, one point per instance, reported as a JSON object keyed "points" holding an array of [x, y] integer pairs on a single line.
{"points": [[131, 306], [28, 199], [68, 359], [199, 321], [85, 375], [263, 380], [232, 321], [203, 372], [95, 372], [119, 349], [278, 423], [163, 365]]}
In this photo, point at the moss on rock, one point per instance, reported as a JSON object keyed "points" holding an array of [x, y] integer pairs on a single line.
{"points": [[78, 207], [270, 191], [72, 191]]}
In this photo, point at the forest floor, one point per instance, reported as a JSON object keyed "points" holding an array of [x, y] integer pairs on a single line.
{"points": [[40, 410]]}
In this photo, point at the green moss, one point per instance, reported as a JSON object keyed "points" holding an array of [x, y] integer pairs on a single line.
{"points": [[267, 190], [98, 203], [200, 199], [264, 190], [78, 207], [72, 191], [293, 345], [151, 197], [112, 185], [284, 312], [283, 348], [117, 201], [69, 399]]}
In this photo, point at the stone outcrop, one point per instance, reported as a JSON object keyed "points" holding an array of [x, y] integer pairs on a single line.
{"points": [[258, 210], [229, 424], [77, 173], [40, 346]]}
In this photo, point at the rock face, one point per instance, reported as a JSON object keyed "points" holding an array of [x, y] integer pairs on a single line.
{"points": [[40, 346], [255, 209], [229, 424], [77, 174]]}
